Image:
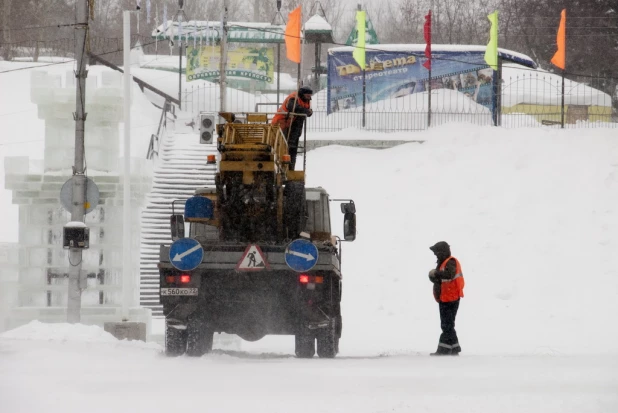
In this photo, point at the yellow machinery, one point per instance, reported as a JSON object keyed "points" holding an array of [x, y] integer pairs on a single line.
{"points": [[258, 197]]}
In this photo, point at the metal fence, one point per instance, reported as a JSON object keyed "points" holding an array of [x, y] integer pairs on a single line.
{"points": [[528, 99]]}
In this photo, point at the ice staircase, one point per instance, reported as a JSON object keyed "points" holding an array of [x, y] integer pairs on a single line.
{"points": [[180, 169]]}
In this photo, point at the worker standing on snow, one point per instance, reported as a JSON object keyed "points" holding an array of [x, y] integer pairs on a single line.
{"points": [[292, 126], [448, 284]]}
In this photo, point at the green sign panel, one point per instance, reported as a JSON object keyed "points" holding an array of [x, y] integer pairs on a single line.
{"points": [[256, 63], [371, 37]]}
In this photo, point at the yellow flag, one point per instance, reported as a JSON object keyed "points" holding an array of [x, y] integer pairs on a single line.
{"points": [[359, 50], [491, 53]]}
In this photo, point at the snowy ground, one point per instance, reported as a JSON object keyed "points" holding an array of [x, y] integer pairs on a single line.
{"points": [[532, 214]]}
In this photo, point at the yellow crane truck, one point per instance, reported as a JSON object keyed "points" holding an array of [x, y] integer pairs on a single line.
{"points": [[259, 257]]}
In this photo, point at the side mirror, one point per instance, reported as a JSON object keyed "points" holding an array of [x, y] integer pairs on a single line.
{"points": [[349, 226], [348, 208], [177, 226]]}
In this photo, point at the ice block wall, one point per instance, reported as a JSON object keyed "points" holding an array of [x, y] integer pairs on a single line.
{"points": [[43, 264]]}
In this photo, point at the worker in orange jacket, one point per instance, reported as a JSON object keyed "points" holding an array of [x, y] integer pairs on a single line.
{"points": [[448, 284], [292, 126]]}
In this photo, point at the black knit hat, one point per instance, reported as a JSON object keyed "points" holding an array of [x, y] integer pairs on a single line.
{"points": [[305, 90]]}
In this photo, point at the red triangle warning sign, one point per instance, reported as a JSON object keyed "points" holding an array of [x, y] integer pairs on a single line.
{"points": [[252, 260]]}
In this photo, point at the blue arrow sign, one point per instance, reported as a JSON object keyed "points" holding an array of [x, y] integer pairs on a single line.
{"points": [[301, 255], [186, 254]]}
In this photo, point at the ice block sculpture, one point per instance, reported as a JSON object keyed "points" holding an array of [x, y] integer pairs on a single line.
{"points": [[43, 264]]}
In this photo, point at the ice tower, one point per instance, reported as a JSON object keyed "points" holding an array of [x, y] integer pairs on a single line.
{"points": [[43, 264]]}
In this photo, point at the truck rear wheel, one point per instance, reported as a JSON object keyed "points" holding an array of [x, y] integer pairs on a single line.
{"points": [[328, 341], [199, 339], [175, 341], [304, 345]]}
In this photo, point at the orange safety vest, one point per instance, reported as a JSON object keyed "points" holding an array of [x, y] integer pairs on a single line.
{"points": [[283, 118], [452, 290]]}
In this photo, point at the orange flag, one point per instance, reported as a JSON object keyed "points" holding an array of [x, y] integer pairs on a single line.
{"points": [[292, 35], [559, 58]]}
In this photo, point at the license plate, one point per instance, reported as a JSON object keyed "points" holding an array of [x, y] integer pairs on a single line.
{"points": [[178, 291]]}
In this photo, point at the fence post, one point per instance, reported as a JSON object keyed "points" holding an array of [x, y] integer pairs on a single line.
{"points": [[499, 94]]}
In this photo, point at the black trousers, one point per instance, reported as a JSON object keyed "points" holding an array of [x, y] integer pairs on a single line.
{"points": [[449, 343], [295, 130]]}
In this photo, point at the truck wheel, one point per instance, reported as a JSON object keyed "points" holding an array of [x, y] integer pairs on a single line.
{"points": [[328, 342], [199, 339], [175, 341], [304, 345]]}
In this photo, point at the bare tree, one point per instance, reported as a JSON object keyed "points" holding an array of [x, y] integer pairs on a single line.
{"points": [[6, 18]]}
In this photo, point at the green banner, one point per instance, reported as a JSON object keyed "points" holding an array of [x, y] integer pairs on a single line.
{"points": [[256, 63], [371, 37]]}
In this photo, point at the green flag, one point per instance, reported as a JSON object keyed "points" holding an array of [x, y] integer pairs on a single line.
{"points": [[359, 50], [491, 53]]}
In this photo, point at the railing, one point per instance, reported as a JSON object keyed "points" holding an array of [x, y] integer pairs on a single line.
{"points": [[153, 146]]}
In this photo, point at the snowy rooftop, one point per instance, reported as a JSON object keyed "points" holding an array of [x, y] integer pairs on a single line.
{"points": [[240, 32], [317, 23]]}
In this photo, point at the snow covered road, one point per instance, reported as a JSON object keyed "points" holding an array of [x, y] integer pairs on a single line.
{"points": [[102, 375]]}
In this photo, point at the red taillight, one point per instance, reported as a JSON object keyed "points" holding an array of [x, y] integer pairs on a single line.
{"points": [[170, 279], [184, 278], [304, 279]]}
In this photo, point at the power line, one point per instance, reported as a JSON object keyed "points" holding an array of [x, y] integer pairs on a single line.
{"points": [[41, 27]]}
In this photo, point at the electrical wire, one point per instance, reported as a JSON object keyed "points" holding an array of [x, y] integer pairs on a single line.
{"points": [[41, 27]]}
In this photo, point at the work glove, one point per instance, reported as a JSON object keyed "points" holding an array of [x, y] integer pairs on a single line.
{"points": [[432, 276]]}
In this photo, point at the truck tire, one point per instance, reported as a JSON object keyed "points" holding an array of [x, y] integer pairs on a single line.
{"points": [[304, 345], [175, 341], [199, 339], [328, 342]]}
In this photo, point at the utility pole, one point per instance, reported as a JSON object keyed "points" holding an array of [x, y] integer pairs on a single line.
{"points": [[278, 52], [127, 275], [223, 63], [76, 283], [179, 16]]}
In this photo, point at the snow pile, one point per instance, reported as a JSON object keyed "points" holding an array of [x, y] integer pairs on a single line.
{"points": [[72, 334], [531, 214], [36, 330], [539, 87]]}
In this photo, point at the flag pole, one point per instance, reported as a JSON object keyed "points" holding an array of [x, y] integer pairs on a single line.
{"points": [[563, 78], [364, 95], [429, 79], [562, 106], [364, 66]]}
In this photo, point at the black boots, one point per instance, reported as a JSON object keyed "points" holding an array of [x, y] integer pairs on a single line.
{"points": [[447, 350]]}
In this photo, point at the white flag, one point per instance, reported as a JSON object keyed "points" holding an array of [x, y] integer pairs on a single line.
{"points": [[148, 5]]}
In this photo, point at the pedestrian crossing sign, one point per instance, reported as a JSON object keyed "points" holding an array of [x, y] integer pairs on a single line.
{"points": [[252, 260]]}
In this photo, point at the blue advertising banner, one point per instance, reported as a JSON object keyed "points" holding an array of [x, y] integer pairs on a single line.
{"points": [[396, 73]]}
